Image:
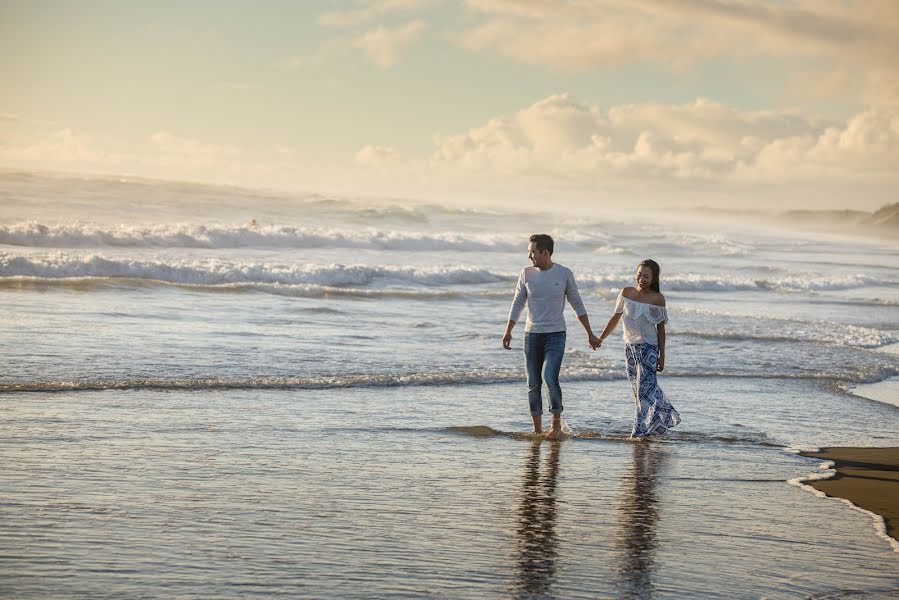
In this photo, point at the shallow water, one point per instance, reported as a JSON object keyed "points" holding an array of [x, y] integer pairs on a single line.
{"points": [[319, 406], [372, 492]]}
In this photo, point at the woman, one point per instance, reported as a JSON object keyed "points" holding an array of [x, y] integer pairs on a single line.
{"points": [[645, 316]]}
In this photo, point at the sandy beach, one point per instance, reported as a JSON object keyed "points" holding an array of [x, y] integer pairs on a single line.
{"points": [[867, 477]]}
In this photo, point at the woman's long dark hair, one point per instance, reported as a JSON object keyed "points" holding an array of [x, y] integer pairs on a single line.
{"points": [[654, 267]]}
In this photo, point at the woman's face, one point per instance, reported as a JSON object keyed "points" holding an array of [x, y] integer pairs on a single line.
{"points": [[644, 278]]}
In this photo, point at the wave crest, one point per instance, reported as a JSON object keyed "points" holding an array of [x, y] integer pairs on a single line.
{"points": [[209, 271], [274, 276], [826, 333], [80, 235]]}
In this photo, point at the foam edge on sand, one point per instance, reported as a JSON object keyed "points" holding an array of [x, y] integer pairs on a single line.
{"points": [[866, 479]]}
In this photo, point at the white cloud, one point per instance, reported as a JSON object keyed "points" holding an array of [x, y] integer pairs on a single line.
{"points": [[171, 150], [558, 143], [58, 147], [881, 89], [323, 53], [14, 120], [574, 45], [383, 45], [377, 155], [579, 36], [9, 119], [368, 12], [168, 142], [165, 155], [703, 142]]}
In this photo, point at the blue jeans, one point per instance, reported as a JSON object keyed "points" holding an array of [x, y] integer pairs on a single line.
{"points": [[543, 354]]}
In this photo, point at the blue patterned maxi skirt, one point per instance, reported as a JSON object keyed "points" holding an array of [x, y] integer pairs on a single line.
{"points": [[654, 414]]}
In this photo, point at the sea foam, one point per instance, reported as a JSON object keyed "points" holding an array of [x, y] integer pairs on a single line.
{"points": [[184, 235], [212, 271], [221, 271]]}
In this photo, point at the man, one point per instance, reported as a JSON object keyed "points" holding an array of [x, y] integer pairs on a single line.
{"points": [[545, 286]]}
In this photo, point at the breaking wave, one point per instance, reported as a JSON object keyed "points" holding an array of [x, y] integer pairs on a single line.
{"points": [[824, 333], [32, 234], [273, 276], [481, 376], [575, 371], [211, 271]]}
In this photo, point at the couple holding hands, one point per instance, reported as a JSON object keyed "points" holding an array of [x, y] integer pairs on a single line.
{"points": [[544, 287]]}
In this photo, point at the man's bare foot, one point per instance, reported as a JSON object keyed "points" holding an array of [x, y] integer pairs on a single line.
{"points": [[555, 429]]}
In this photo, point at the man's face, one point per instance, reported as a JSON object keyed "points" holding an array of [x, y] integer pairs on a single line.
{"points": [[538, 259]]}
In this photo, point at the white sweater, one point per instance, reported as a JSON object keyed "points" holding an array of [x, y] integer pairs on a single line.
{"points": [[545, 293]]}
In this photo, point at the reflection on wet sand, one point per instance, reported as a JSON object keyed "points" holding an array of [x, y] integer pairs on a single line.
{"points": [[537, 540], [638, 515]]}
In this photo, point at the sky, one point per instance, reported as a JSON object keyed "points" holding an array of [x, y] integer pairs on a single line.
{"points": [[767, 104]]}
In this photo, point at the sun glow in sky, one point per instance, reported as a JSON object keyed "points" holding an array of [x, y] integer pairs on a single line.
{"points": [[778, 104]]}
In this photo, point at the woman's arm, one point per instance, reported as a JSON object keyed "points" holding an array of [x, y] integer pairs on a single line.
{"points": [[660, 329], [610, 326]]}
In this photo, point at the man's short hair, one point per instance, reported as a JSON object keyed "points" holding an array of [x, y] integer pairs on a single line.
{"points": [[543, 242]]}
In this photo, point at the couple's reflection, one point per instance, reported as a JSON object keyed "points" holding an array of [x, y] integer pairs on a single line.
{"points": [[537, 541], [638, 515]]}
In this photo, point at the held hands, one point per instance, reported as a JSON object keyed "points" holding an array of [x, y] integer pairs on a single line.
{"points": [[592, 340], [660, 364]]}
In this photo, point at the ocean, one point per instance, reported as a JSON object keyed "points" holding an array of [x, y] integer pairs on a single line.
{"points": [[210, 391]]}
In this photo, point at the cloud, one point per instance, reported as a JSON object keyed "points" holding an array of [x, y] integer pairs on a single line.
{"points": [[382, 45], [571, 44], [377, 155], [325, 52], [177, 156], [58, 147], [700, 142], [697, 152], [14, 120], [372, 10], [9, 119], [578, 36], [165, 154], [171, 149], [881, 89]]}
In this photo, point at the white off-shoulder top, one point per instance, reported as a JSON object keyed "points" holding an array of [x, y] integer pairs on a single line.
{"points": [[639, 320]]}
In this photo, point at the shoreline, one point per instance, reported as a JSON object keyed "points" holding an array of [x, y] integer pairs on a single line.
{"points": [[866, 477]]}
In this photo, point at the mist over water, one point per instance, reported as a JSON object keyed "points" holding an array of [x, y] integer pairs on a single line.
{"points": [[306, 395]]}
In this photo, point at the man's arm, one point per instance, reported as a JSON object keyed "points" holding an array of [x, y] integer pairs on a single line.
{"points": [[593, 341], [574, 299], [507, 337], [518, 301]]}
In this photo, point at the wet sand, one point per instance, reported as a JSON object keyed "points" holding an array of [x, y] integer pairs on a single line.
{"points": [[867, 477]]}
